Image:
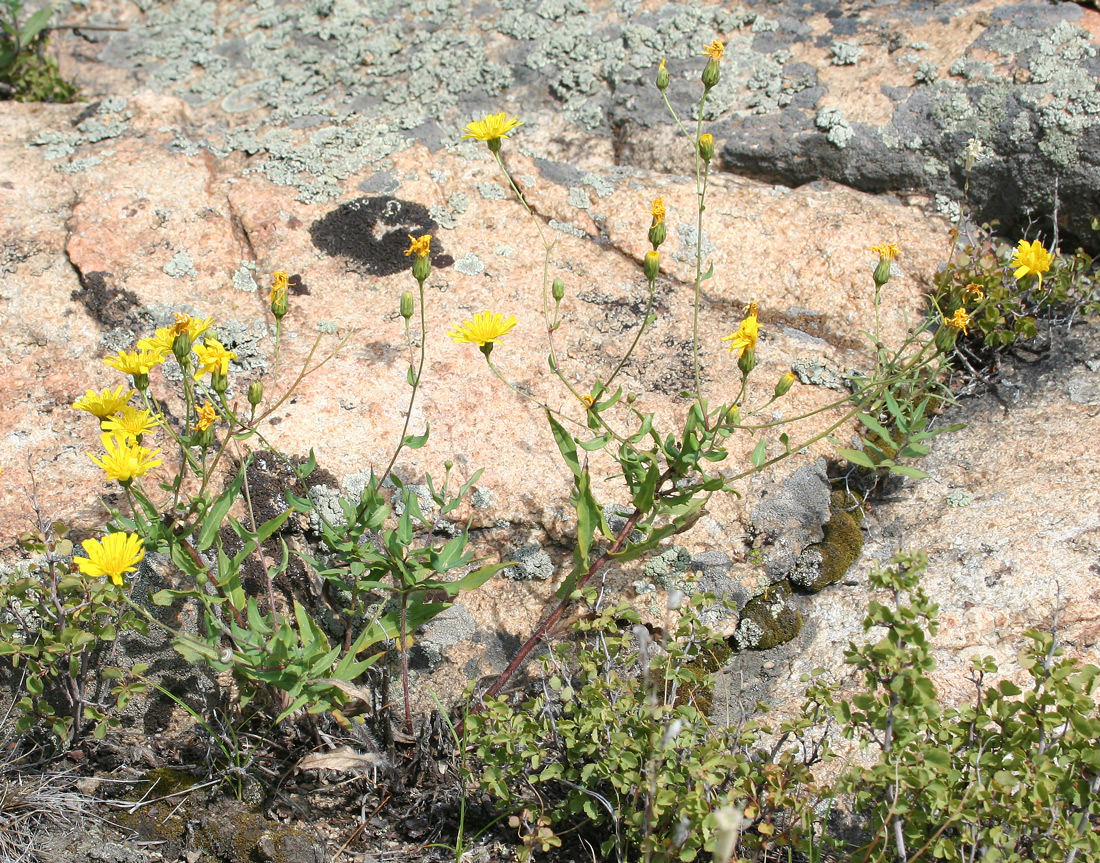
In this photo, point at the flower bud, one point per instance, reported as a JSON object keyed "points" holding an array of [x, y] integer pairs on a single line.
{"points": [[662, 76], [448, 464], [882, 272], [219, 383], [255, 393], [652, 265], [657, 233], [408, 304], [711, 73], [733, 415], [557, 290], [181, 348], [747, 362], [784, 385], [945, 339], [630, 398], [706, 147], [422, 267]]}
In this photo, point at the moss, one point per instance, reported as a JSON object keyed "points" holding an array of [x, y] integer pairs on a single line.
{"points": [[768, 620], [223, 830], [700, 694], [826, 562]]}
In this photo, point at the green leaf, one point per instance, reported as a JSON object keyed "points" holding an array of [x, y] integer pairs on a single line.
{"points": [[417, 441], [212, 520], [914, 450], [643, 495], [905, 470], [565, 444], [471, 580], [855, 456], [707, 274], [875, 426], [35, 25], [597, 443], [410, 376], [760, 454]]}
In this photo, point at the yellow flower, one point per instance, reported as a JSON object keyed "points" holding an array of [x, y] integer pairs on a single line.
{"points": [[116, 554], [123, 460], [213, 358], [588, 400], [207, 417], [492, 128], [130, 422], [715, 50], [657, 208], [886, 251], [486, 328], [280, 287], [960, 320], [974, 291], [103, 404], [1031, 259], [745, 337], [164, 337], [138, 362], [422, 246]]}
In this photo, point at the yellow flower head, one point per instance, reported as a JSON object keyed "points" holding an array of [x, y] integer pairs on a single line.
{"points": [[103, 404], [139, 362], [657, 208], [588, 400], [886, 251], [280, 287], [1031, 259], [182, 324], [116, 554], [124, 460], [960, 320], [974, 291], [130, 422], [207, 417], [662, 66], [492, 128], [486, 328], [213, 358], [419, 246], [745, 337], [164, 337], [715, 50]]}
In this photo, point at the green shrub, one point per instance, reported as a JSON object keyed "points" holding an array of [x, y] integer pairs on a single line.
{"points": [[26, 72]]}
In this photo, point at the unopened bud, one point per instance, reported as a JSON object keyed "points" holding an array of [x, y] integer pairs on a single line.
{"points": [[448, 464], [181, 348], [712, 73], [882, 272], [255, 393], [219, 383], [657, 233], [747, 362], [706, 147], [408, 304], [557, 290], [945, 339], [630, 397], [651, 265], [733, 415], [662, 76], [784, 385]]}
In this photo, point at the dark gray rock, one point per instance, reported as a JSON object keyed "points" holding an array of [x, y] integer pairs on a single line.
{"points": [[792, 518]]}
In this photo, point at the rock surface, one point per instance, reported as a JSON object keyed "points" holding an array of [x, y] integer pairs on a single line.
{"points": [[223, 142]]}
